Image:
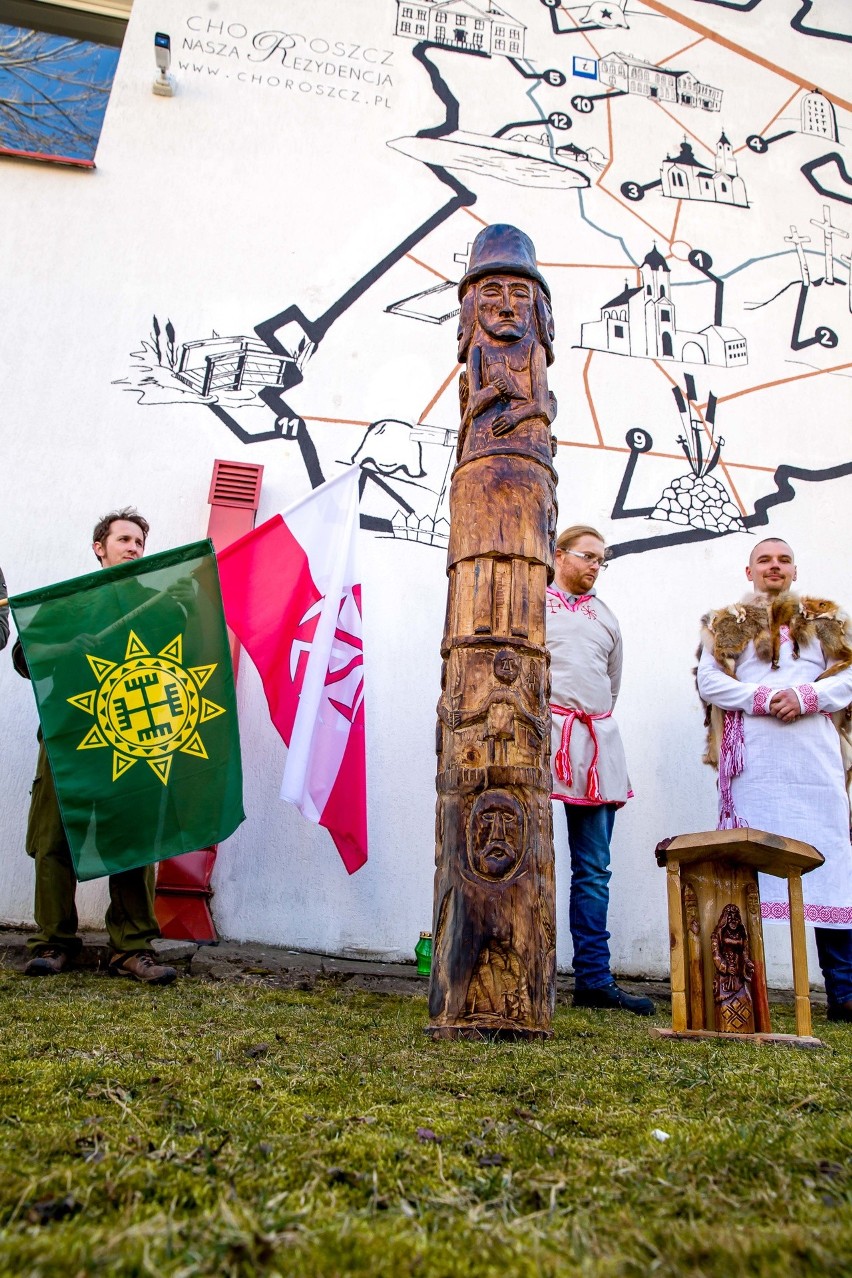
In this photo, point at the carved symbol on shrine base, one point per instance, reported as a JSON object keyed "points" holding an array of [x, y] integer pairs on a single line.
{"points": [[735, 1013]]}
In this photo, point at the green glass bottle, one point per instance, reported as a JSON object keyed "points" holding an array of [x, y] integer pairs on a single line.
{"points": [[423, 950]]}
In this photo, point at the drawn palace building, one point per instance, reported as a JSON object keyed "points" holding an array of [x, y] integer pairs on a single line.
{"points": [[641, 321], [631, 75], [480, 28], [684, 178]]}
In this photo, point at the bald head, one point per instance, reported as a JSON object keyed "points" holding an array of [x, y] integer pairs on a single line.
{"points": [[771, 566], [770, 541]]}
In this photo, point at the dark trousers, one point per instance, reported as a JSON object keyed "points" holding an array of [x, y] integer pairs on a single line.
{"points": [[834, 947], [130, 919]]}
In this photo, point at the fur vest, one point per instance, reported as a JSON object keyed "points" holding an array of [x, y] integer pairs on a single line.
{"points": [[759, 619]]}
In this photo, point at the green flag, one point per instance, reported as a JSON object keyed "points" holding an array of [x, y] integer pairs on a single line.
{"points": [[135, 690]]}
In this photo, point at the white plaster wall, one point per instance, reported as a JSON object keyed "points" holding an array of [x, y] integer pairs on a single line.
{"points": [[223, 205]]}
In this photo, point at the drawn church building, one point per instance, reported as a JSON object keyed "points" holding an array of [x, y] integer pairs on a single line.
{"points": [[641, 321], [683, 178], [462, 24]]}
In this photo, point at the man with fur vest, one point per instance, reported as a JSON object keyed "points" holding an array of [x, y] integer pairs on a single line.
{"points": [[774, 669]]}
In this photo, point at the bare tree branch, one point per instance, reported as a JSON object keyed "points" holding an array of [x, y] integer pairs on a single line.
{"points": [[53, 92]]}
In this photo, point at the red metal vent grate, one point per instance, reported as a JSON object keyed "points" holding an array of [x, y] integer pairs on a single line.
{"points": [[235, 484]]}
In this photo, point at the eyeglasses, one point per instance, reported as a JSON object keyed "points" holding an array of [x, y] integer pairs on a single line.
{"points": [[590, 559]]}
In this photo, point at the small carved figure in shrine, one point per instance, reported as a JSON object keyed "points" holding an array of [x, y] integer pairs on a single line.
{"points": [[734, 968]]}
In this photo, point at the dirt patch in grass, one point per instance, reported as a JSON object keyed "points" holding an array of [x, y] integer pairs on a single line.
{"points": [[234, 1129]]}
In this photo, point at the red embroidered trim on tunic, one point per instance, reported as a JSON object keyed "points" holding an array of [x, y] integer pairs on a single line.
{"points": [[780, 911], [587, 803], [810, 699], [761, 700]]}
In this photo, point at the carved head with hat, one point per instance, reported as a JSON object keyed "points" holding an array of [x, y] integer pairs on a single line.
{"points": [[502, 255]]}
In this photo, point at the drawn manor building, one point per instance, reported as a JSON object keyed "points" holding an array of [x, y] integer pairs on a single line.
{"points": [[641, 321], [478, 28], [681, 88]]}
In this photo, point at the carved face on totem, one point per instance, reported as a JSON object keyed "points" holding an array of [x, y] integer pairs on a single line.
{"points": [[507, 667], [495, 834], [504, 306]]}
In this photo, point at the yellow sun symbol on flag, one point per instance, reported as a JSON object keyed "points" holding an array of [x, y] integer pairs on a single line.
{"points": [[147, 707]]}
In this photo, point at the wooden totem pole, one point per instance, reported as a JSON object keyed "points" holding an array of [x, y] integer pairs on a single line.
{"points": [[494, 929]]}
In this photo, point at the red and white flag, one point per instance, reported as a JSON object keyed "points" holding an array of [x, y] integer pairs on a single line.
{"points": [[292, 595]]}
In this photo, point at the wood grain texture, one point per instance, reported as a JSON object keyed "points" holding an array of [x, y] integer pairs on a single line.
{"points": [[718, 965], [494, 927]]}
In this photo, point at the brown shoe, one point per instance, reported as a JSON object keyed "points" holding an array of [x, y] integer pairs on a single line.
{"points": [[142, 967], [48, 962]]}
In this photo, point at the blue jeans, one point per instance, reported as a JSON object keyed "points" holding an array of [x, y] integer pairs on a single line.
{"points": [[589, 834], [834, 947]]}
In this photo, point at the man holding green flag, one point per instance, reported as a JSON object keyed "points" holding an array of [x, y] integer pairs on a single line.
{"points": [[139, 754]]}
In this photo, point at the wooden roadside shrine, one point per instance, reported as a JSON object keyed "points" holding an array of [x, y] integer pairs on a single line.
{"points": [[718, 972], [494, 928]]}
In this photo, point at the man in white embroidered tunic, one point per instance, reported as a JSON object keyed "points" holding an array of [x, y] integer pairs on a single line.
{"points": [[780, 762], [587, 757]]}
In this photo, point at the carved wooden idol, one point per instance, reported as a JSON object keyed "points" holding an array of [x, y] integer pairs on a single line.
{"points": [[494, 931], [734, 971], [716, 933]]}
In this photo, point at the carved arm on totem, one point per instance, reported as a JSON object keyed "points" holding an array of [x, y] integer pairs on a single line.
{"points": [[477, 397]]}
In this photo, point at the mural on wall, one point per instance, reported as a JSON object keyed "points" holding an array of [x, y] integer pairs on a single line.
{"points": [[684, 177], [641, 321], [733, 254], [698, 499]]}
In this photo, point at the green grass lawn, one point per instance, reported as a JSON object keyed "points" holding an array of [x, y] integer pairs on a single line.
{"points": [[237, 1129]]}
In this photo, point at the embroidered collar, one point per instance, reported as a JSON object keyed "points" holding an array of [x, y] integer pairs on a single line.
{"points": [[573, 599]]}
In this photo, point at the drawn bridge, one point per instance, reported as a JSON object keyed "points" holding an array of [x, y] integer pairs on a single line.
{"points": [[230, 363]]}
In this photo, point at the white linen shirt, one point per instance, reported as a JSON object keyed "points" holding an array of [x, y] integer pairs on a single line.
{"points": [[584, 639]]}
